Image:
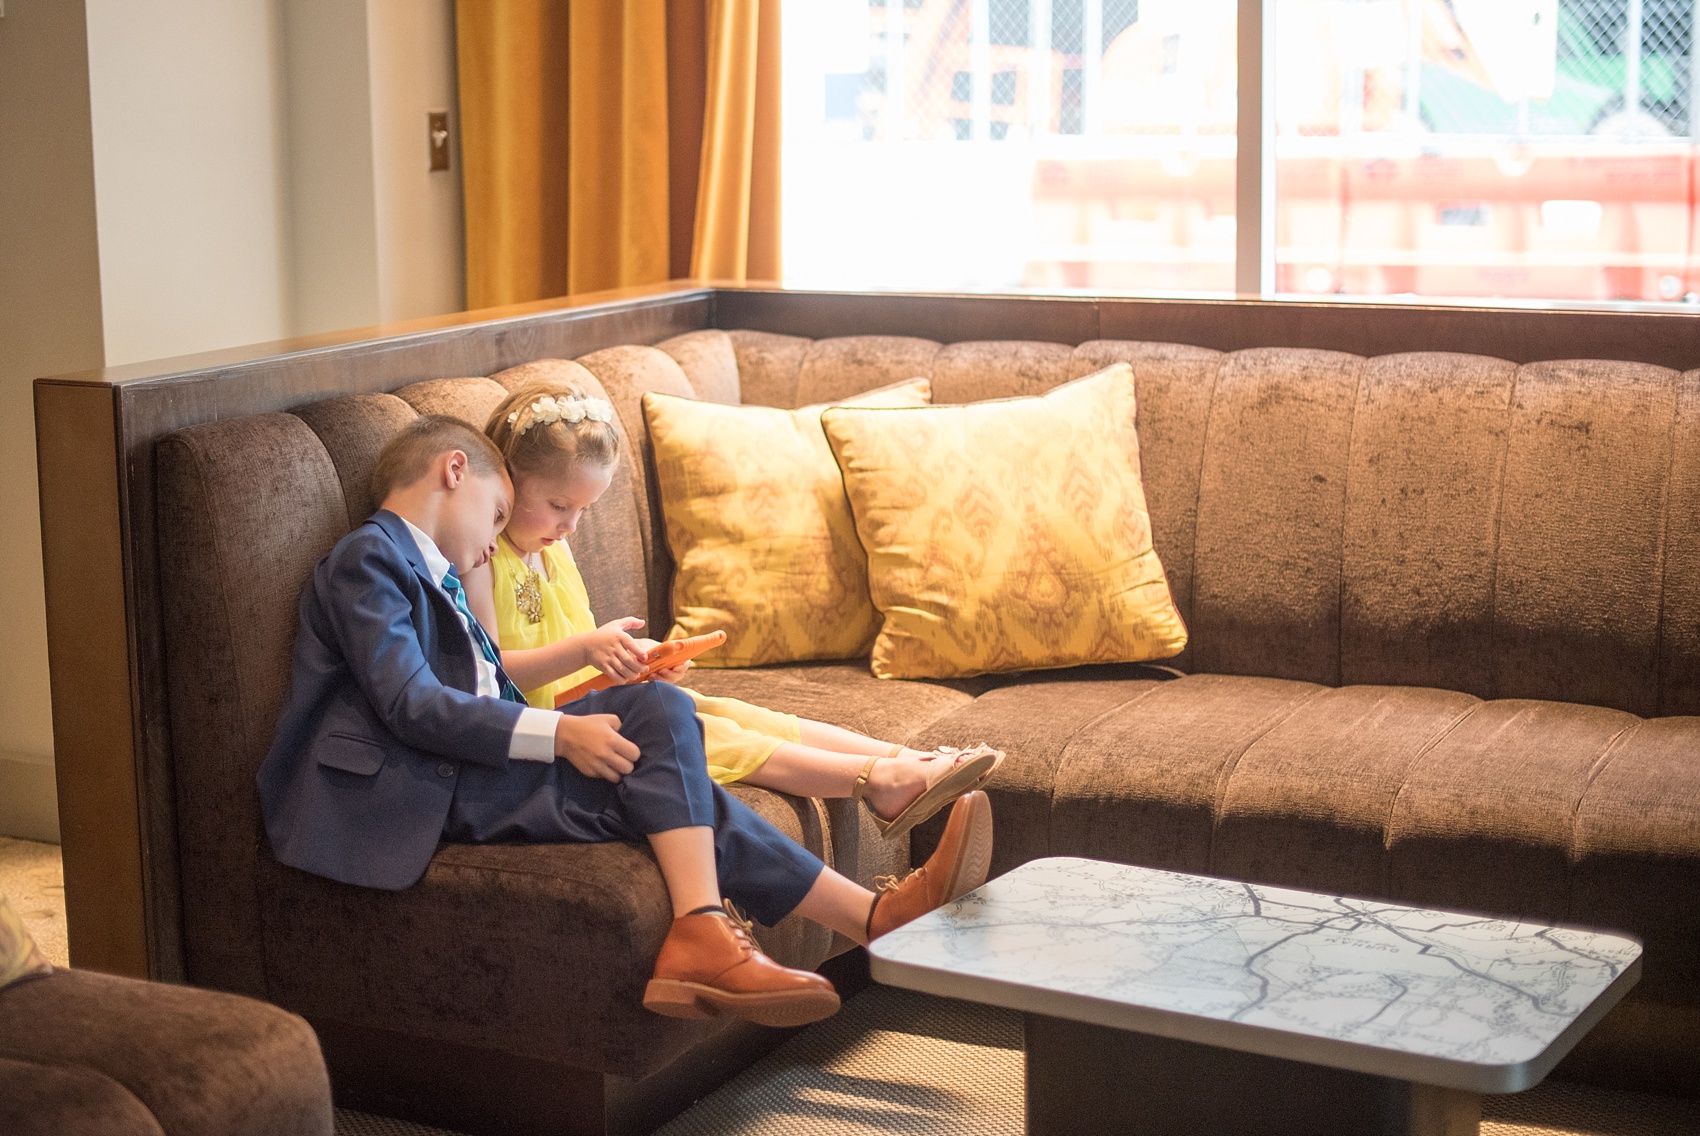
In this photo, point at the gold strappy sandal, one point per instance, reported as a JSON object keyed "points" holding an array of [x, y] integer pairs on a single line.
{"points": [[972, 768]]}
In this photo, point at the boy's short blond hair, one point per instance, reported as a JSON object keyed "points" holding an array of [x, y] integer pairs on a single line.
{"points": [[408, 456]]}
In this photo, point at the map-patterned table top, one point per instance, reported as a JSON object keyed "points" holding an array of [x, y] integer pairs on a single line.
{"points": [[1445, 998]]}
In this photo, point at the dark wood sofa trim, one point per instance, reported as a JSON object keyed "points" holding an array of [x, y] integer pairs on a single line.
{"points": [[95, 438], [96, 432]]}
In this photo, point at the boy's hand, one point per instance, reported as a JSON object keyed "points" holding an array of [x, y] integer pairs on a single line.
{"points": [[670, 674], [594, 745], [615, 653]]}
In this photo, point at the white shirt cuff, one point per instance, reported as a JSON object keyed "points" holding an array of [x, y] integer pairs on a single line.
{"points": [[534, 735]]}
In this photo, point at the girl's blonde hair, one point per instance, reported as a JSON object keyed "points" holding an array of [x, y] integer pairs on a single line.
{"points": [[549, 427]]}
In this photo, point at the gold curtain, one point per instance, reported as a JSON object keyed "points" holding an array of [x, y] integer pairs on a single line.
{"points": [[615, 142], [513, 131], [617, 187], [737, 214]]}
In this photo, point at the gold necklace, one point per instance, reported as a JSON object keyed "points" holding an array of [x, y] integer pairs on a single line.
{"points": [[528, 591]]}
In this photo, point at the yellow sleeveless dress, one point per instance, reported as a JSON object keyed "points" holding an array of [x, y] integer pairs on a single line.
{"points": [[739, 737]]}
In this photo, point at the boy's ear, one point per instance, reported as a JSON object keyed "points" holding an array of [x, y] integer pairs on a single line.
{"points": [[454, 467]]}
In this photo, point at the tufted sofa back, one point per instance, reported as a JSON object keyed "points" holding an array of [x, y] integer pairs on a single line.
{"points": [[1425, 519]]}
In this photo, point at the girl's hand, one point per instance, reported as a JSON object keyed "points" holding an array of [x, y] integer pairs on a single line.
{"points": [[670, 674], [613, 652]]}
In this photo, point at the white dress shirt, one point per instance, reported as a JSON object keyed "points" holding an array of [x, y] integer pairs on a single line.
{"points": [[534, 733]]}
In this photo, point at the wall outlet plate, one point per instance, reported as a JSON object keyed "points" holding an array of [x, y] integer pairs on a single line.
{"points": [[437, 122]]}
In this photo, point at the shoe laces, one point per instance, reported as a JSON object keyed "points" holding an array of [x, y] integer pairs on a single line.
{"points": [[742, 927], [892, 882]]}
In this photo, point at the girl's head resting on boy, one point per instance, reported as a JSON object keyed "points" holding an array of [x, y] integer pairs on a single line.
{"points": [[561, 448]]}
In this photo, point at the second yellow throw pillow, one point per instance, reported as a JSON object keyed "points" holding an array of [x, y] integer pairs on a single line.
{"points": [[760, 531], [1008, 535]]}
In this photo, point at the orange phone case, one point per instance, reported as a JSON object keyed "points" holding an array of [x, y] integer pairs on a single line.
{"points": [[661, 657]]}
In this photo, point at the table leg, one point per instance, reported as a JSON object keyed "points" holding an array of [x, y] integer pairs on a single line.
{"points": [[1084, 1078]]}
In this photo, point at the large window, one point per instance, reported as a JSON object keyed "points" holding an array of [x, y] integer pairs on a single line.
{"points": [[1010, 143], [1538, 149]]}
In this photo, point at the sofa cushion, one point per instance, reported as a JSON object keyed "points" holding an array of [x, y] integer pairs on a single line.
{"points": [[1328, 518], [1007, 535], [538, 950], [625, 375], [1557, 811], [974, 371], [247, 507], [843, 693], [709, 362], [760, 530], [563, 371], [50, 1099], [768, 366], [1271, 500], [1422, 521], [1679, 617], [838, 368], [354, 430], [202, 1063], [1174, 384], [1582, 531], [470, 400], [1036, 719]]}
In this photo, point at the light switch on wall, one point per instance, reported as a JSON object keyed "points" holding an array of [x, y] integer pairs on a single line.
{"points": [[438, 121]]}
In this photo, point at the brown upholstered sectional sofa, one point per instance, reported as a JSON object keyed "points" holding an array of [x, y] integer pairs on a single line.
{"points": [[89, 1054], [1445, 618]]}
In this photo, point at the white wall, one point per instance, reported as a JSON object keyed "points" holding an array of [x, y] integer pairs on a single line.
{"points": [[182, 175], [421, 245], [376, 235], [187, 115], [328, 139], [50, 323]]}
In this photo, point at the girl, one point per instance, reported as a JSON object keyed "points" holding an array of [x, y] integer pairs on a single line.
{"points": [[561, 448]]}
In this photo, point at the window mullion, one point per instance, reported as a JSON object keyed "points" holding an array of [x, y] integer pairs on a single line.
{"points": [[1254, 173], [1039, 67]]}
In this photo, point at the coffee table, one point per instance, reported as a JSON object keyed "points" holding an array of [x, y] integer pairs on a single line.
{"points": [[1160, 1003]]}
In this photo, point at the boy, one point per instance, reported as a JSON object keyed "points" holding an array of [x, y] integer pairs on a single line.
{"points": [[401, 730]]}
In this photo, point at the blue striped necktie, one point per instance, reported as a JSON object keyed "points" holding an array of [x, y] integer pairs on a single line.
{"points": [[451, 585]]}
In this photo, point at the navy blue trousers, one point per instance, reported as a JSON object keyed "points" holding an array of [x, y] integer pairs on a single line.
{"points": [[762, 870]]}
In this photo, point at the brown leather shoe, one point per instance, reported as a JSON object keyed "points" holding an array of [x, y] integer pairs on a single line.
{"points": [[710, 967], [959, 866]]}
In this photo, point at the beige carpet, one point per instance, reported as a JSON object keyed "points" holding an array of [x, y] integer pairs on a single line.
{"points": [[898, 1063], [895, 1063], [31, 877]]}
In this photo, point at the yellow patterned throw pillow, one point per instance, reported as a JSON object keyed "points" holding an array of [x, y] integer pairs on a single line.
{"points": [[1008, 535], [19, 956], [760, 531]]}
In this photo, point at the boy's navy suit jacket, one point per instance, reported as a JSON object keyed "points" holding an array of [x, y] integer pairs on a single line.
{"points": [[380, 714]]}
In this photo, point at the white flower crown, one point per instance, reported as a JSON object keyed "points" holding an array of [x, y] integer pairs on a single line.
{"points": [[567, 408]]}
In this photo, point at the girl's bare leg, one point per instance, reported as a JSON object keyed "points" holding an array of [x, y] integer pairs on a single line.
{"points": [[686, 858], [807, 771], [840, 904], [820, 735]]}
